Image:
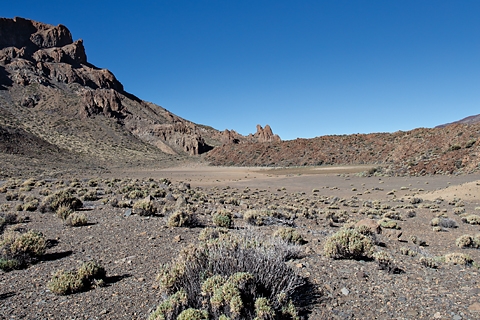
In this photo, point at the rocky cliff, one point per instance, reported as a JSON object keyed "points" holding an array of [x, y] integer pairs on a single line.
{"points": [[45, 77]]}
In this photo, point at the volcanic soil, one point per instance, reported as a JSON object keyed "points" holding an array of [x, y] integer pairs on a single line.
{"points": [[318, 202]]}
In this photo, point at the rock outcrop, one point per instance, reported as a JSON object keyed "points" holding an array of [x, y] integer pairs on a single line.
{"points": [[43, 69], [265, 134]]}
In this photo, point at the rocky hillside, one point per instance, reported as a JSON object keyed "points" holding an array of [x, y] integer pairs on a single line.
{"points": [[450, 149], [53, 101], [468, 120]]}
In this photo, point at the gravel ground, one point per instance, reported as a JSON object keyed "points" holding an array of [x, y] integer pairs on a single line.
{"points": [[132, 247]]}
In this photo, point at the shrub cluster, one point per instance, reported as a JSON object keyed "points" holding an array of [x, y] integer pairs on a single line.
{"points": [[232, 277], [19, 249], [348, 244], [67, 282]]}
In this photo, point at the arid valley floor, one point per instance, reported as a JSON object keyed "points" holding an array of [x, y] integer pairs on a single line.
{"points": [[317, 202]]}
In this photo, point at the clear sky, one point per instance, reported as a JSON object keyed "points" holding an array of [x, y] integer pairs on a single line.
{"points": [[306, 68]]}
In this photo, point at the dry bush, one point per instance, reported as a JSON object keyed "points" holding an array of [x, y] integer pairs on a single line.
{"points": [[7, 219], [67, 282], [227, 276], [63, 212], [289, 235], [428, 262], [61, 198], [90, 195], [472, 219], [211, 233], [386, 262], [348, 244], [76, 220], [458, 258], [467, 241], [180, 218], [144, 207], [389, 224], [17, 249], [444, 222]]}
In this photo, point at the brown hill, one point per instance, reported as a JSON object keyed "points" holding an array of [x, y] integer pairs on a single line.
{"points": [[468, 120], [420, 151], [54, 103]]}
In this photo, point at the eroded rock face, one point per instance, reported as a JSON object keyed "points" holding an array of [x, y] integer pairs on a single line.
{"points": [[265, 134], [38, 54]]}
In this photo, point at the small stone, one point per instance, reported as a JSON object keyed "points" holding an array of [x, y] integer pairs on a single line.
{"points": [[127, 213], [474, 307], [361, 275], [300, 265], [345, 291], [457, 317], [177, 238], [141, 279], [437, 315]]}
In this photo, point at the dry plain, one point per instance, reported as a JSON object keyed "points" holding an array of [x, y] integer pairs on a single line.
{"points": [[317, 202]]}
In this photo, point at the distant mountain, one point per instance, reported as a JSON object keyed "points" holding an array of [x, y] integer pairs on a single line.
{"points": [[467, 120]]}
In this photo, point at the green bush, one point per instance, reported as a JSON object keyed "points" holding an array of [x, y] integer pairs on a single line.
{"points": [[223, 219]]}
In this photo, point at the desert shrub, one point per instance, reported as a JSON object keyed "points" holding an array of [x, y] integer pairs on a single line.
{"points": [[211, 233], [444, 222], [31, 205], [392, 215], [470, 143], [76, 220], [389, 224], [63, 212], [61, 198], [11, 196], [261, 217], [467, 241], [92, 183], [144, 207], [193, 314], [91, 270], [428, 262], [181, 218], [19, 249], [136, 194], [408, 252], [418, 241], [348, 244], [67, 282], [7, 219], [223, 219], [289, 235], [472, 219], [226, 277], [458, 258], [386, 262], [90, 195]]}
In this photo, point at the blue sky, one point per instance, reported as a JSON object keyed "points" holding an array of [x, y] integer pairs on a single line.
{"points": [[306, 68]]}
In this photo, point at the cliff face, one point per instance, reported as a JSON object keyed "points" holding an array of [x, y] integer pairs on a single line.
{"points": [[45, 75]]}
